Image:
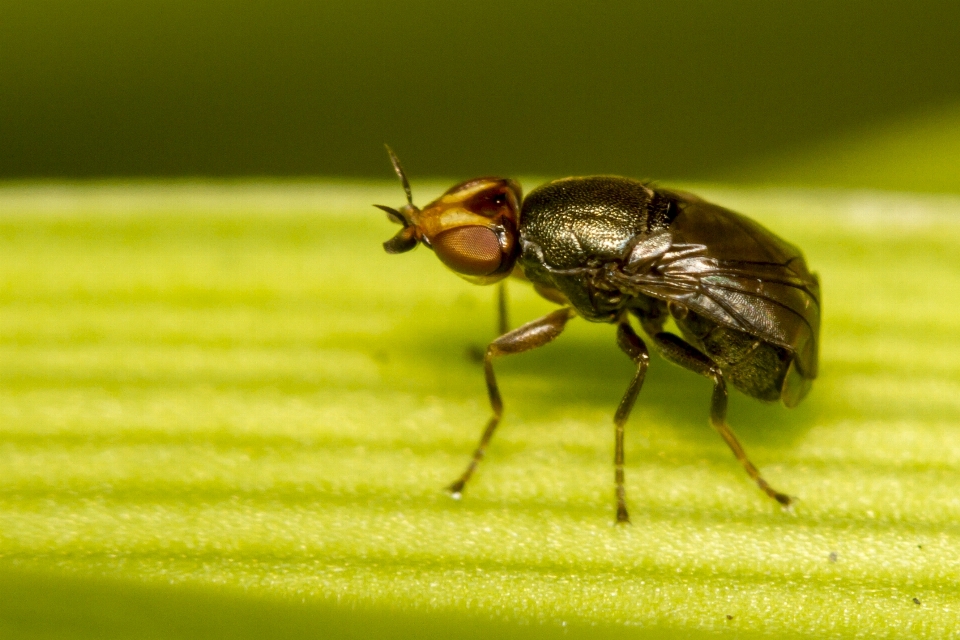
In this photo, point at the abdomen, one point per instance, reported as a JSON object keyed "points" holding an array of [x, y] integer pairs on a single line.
{"points": [[755, 367]]}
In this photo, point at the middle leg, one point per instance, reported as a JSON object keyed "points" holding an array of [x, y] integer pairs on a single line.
{"points": [[633, 346]]}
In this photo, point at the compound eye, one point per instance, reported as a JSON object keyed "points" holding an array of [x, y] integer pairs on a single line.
{"points": [[472, 251]]}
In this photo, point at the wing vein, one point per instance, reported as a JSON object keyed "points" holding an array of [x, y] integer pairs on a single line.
{"points": [[762, 297]]}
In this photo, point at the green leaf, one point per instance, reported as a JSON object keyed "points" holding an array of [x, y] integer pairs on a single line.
{"points": [[225, 410]]}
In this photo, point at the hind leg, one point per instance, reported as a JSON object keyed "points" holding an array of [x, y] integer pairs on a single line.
{"points": [[679, 352]]}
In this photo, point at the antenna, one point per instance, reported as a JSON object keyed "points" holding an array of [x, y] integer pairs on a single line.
{"points": [[400, 174]]}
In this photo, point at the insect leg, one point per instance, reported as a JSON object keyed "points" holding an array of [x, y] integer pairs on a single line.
{"points": [[524, 338], [633, 346], [682, 353], [503, 321]]}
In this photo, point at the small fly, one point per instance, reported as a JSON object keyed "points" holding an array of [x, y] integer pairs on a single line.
{"points": [[609, 249]]}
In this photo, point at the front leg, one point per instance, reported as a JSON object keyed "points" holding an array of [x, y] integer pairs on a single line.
{"points": [[529, 336], [503, 320]]}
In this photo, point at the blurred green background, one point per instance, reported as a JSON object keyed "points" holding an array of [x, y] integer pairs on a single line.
{"points": [[742, 91], [225, 412]]}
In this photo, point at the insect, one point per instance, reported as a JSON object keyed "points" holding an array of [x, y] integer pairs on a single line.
{"points": [[609, 249]]}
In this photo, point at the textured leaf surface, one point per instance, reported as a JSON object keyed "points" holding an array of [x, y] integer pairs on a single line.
{"points": [[225, 411]]}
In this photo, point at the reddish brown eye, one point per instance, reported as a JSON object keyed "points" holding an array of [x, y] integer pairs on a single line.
{"points": [[472, 251]]}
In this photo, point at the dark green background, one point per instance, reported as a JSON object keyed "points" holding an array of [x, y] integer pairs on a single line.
{"points": [[689, 89]]}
